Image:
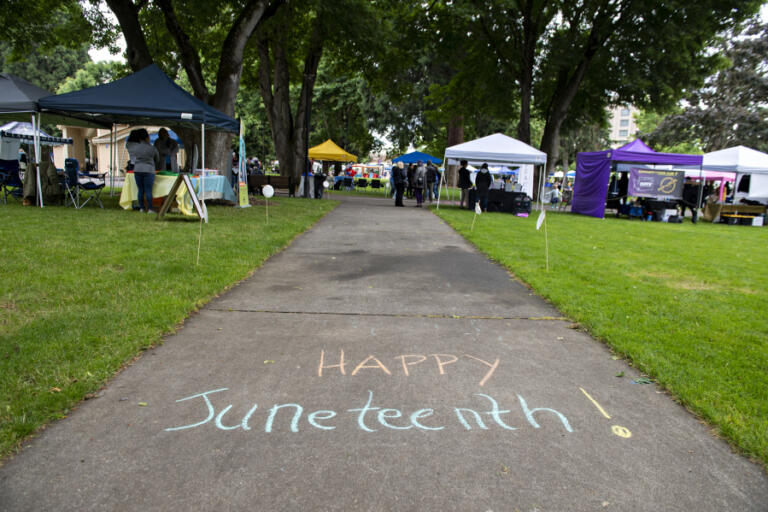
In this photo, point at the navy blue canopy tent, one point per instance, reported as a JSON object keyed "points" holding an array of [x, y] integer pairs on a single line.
{"points": [[141, 98], [415, 156], [144, 97]]}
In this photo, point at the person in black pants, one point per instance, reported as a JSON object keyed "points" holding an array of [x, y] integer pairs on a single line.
{"points": [[465, 183], [690, 199], [483, 182], [409, 176], [400, 179], [320, 177]]}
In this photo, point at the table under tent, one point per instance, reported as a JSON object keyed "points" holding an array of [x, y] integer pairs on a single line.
{"points": [[749, 169], [144, 97], [327, 152], [594, 172], [499, 150]]}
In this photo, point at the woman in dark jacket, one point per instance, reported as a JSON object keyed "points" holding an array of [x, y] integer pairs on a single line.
{"points": [[465, 183], [400, 180], [483, 182], [409, 175]]}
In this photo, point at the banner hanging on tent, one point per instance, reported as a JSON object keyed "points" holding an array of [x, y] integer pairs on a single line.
{"points": [[242, 176], [656, 183]]}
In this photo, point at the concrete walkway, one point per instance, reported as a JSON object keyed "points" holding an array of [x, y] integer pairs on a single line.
{"points": [[380, 363]]}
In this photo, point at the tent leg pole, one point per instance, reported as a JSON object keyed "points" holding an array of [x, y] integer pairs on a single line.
{"points": [[202, 181], [701, 190], [36, 144], [111, 161]]}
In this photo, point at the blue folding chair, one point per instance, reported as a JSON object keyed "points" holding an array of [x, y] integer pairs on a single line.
{"points": [[90, 189], [10, 182], [70, 184]]}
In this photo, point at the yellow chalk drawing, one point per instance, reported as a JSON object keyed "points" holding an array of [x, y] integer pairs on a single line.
{"points": [[596, 404], [621, 431]]}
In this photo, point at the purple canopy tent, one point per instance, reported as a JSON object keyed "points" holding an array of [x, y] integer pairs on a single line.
{"points": [[593, 171]]}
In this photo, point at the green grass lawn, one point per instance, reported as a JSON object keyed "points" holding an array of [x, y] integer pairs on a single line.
{"points": [[82, 292], [687, 304]]}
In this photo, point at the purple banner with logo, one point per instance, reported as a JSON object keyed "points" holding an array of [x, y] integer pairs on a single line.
{"points": [[661, 184]]}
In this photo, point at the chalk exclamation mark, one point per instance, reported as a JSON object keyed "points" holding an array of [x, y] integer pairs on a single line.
{"points": [[616, 429]]}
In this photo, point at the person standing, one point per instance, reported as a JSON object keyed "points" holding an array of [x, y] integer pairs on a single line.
{"points": [[465, 183], [419, 181], [400, 179], [483, 182], [167, 148], [409, 175], [690, 199], [432, 175], [320, 178], [145, 160], [554, 198]]}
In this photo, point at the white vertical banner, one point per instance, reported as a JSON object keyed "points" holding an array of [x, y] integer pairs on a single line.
{"points": [[525, 178]]}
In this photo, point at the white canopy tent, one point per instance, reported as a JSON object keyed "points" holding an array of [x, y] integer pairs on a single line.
{"points": [[496, 149], [738, 159], [741, 160]]}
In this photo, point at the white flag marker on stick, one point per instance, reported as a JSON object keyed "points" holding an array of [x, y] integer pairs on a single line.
{"points": [[478, 211], [543, 220]]}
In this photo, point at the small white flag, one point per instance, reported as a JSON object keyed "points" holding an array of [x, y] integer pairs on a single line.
{"points": [[478, 210], [540, 221]]}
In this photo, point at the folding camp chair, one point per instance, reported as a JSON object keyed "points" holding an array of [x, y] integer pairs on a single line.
{"points": [[10, 182], [375, 184], [90, 189], [348, 183], [362, 183], [69, 183]]}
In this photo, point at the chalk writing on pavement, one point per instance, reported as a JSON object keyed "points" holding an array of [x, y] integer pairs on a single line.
{"points": [[370, 416]]}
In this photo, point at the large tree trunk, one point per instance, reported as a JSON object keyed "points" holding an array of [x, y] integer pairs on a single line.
{"points": [[530, 38], [217, 144], [455, 136], [136, 50], [567, 85], [274, 85], [289, 133]]}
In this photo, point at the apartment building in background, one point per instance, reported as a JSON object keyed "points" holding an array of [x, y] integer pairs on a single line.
{"points": [[623, 127]]}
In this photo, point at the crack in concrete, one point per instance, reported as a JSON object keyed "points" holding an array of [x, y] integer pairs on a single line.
{"points": [[393, 315]]}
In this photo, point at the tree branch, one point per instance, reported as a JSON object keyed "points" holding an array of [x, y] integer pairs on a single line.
{"points": [[127, 14], [189, 56], [231, 61]]}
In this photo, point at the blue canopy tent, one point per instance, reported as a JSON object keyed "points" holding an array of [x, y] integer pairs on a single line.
{"points": [[140, 98], [19, 102], [415, 156], [144, 97]]}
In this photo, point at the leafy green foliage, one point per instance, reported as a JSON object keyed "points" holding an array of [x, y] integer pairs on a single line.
{"points": [[258, 138], [340, 111], [42, 25], [93, 74], [731, 108], [46, 68]]}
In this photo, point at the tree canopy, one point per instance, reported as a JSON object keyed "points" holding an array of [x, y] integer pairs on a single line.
{"points": [[429, 74], [731, 108]]}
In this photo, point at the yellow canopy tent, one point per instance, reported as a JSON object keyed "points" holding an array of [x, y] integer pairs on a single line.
{"points": [[329, 151]]}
